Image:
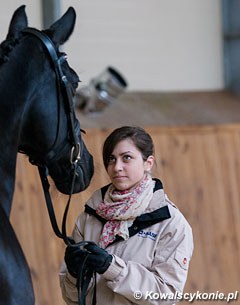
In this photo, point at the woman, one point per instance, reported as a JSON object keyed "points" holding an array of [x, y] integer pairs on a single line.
{"points": [[142, 243]]}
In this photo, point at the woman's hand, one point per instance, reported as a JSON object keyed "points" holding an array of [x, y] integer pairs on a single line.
{"points": [[91, 256], [74, 259], [98, 259]]}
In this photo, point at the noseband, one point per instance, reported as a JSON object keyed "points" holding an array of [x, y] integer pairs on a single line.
{"points": [[64, 88]]}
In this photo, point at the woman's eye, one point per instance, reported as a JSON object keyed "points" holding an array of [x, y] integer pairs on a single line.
{"points": [[111, 160], [127, 158]]}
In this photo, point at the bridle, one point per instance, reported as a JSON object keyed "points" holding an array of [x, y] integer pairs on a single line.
{"points": [[63, 87]]}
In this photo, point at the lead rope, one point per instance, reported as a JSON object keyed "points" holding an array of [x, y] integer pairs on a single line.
{"points": [[83, 281], [84, 275]]}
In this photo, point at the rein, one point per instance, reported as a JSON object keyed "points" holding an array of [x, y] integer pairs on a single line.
{"points": [[63, 86]]}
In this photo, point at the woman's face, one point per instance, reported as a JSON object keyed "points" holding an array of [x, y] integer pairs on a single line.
{"points": [[126, 166]]}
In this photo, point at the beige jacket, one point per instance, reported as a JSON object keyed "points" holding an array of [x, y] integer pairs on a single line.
{"points": [[153, 262]]}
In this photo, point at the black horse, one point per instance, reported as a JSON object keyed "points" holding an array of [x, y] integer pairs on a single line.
{"points": [[37, 118]]}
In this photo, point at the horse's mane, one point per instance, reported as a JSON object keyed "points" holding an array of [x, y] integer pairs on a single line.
{"points": [[6, 47]]}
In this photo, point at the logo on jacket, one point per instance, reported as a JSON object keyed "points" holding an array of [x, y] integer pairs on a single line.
{"points": [[147, 234]]}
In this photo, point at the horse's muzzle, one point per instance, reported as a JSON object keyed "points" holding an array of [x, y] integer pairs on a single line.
{"points": [[64, 172]]}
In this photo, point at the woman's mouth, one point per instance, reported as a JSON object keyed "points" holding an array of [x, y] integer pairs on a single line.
{"points": [[119, 177]]}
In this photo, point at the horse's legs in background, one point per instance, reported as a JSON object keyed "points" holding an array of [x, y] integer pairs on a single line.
{"points": [[15, 278]]}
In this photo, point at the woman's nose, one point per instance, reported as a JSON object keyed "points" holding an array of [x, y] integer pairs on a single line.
{"points": [[118, 166]]}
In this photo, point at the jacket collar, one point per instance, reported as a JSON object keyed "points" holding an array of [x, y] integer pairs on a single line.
{"points": [[141, 222]]}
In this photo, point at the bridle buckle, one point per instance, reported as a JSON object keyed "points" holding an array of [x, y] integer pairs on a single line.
{"points": [[78, 157]]}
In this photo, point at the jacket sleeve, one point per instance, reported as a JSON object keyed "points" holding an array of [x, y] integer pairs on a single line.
{"points": [[166, 277]]}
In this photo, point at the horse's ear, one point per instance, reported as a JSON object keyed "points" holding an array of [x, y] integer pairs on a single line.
{"points": [[18, 23], [62, 29]]}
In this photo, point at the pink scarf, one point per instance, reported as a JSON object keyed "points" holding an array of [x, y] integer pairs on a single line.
{"points": [[120, 208]]}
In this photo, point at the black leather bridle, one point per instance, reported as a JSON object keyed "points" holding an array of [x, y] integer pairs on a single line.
{"points": [[63, 87]]}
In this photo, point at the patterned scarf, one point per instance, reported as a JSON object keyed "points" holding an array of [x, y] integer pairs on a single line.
{"points": [[120, 208]]}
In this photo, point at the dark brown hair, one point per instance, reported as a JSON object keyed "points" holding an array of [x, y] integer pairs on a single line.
{"points": [[138, 135]]}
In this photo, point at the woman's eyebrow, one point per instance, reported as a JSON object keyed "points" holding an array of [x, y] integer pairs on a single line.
{"points": [[123, 153], [126, 152]]}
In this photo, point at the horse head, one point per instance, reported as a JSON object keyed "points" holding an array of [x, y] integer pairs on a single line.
{"points": [[48, 130]]}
